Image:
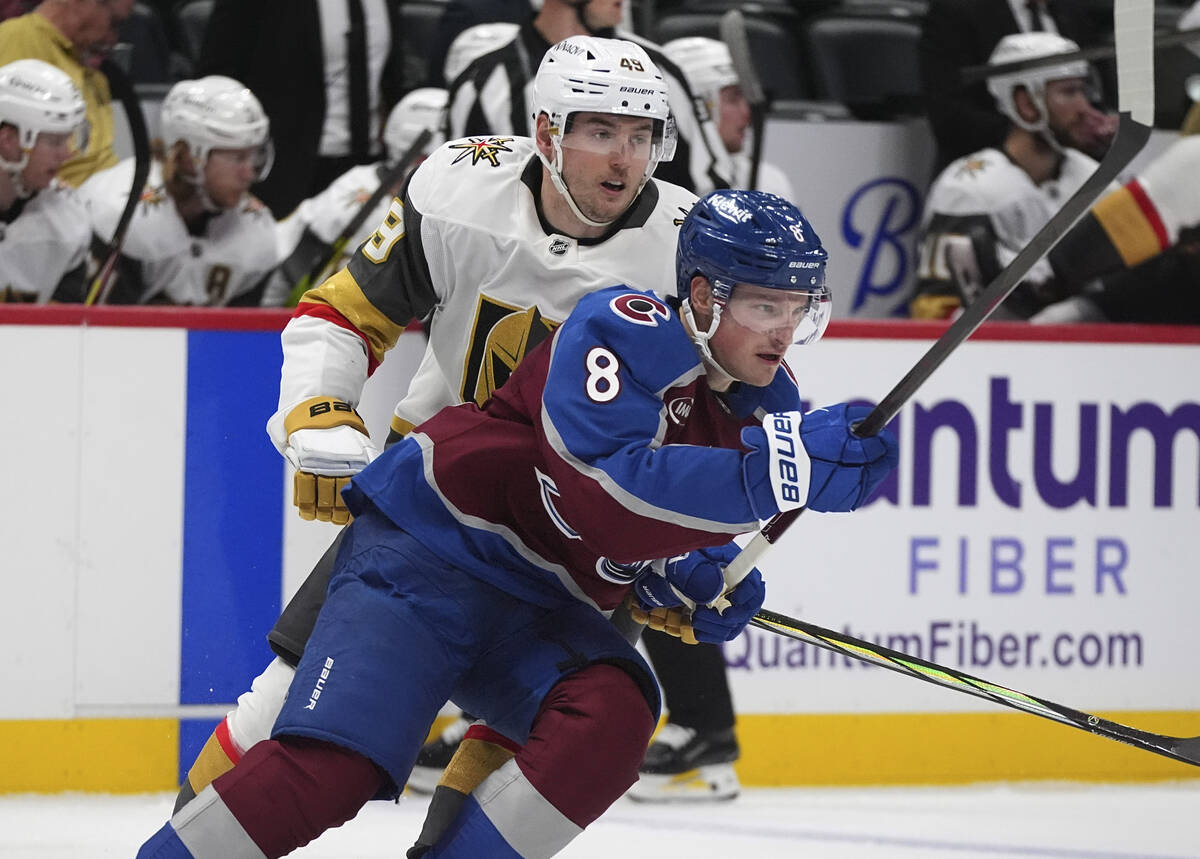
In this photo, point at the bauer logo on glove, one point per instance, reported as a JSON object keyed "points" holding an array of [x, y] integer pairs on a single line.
{"points": [[789, 471], [327, 443], [817, 458]]}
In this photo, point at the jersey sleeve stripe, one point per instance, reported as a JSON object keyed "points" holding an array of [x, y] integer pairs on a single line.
{"points": [[1132, 224], [341, 301]]}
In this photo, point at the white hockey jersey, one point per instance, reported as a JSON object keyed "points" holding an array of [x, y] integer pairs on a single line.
{"points": [[468, 252], [230, 257], [980, 213], [43, 250]]}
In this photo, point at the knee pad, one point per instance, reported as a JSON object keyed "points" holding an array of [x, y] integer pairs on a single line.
{"points": [[587, 741], [285, 792], [257, 710]]}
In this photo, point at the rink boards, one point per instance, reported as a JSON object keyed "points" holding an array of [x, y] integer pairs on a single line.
{"points": [[1041, 533]]}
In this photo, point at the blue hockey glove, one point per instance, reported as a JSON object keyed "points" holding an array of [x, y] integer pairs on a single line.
{"points": [[745, 600], [845, 468], [814, 462], [697, 575]]}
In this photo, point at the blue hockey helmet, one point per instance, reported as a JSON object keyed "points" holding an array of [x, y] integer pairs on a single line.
{"points": [[736, 237]]}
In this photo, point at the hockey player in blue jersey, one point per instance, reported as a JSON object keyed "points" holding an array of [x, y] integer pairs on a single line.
{"points": [[489, 546]]}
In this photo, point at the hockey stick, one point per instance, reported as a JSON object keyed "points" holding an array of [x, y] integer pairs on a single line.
{"points": [[121, 87], [1133, 20], [732, 28], [386, 184], [1185, 749], [974, 74]]}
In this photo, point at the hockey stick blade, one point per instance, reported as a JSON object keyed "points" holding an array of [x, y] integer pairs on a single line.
{"points": [[1184, 749]]}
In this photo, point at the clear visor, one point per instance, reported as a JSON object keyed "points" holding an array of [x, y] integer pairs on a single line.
{"points": [[1063, 91], [799, 316], [635, 139], [257, 158], [73, 141]]}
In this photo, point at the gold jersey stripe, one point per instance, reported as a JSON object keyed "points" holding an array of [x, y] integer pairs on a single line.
{"points": [[400, 426], [342, 292], [1127, 227]]}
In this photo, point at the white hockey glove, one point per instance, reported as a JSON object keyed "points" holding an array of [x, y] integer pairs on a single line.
{"points": [[327, 443]]}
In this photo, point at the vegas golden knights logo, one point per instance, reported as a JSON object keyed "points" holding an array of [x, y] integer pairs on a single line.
{"points": [[501, 337]]}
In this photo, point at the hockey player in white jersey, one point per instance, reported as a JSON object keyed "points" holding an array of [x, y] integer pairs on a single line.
{"points": [[983, 208], [709, 70], [198, 235], [491, 244], [492, 95], [44, 236], [310, 231]]}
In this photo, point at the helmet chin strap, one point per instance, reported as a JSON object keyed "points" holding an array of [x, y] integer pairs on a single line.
{"points": [[15, 171], [1041, 127], [701, 338], [561, 186]]}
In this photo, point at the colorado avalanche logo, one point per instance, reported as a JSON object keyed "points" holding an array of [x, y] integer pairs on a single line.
{"points": [[640, 309]]}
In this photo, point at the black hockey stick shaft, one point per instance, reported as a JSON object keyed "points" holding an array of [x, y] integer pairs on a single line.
{"points": [[387, 184], [1185, 749], [732, 27], [121, 87]]}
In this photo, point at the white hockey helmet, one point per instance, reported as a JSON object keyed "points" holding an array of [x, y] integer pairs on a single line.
{"points": [[705, 63], [36, 97], [472, 43], [595, 75], [1029, 46], [420, 109], [216, 112]]}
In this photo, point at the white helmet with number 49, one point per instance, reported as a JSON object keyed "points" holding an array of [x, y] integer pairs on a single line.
{"points": [[590, 74]]}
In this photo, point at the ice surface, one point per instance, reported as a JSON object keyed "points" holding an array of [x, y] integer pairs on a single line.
{"points": [[1026, 820]]}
